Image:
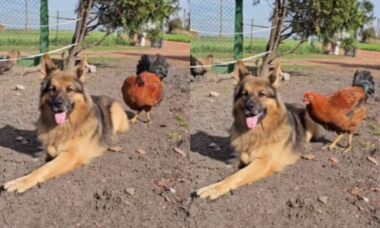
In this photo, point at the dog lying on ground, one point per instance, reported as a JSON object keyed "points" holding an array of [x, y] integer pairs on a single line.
{"points": [[267, 133], [73, 126]]}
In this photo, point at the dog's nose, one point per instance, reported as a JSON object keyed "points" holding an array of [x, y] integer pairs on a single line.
{"points": [[58, 102], [249, 105]]}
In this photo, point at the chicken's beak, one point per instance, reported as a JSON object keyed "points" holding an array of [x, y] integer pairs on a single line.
{"points": [[306, 101]]}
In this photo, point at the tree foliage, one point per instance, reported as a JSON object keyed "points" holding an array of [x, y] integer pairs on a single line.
{"points": [[367, 34], [323, 18], [174, 24], [131, 15], [109, 15]]}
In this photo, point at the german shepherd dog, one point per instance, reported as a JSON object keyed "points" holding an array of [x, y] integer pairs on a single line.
{"points": [[73, 126], [267, 133]]}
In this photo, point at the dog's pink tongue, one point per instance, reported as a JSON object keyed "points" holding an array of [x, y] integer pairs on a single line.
{"points": [[60, 118], [252, 121]]}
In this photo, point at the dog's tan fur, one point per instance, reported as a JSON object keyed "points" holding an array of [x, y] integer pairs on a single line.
{"points": [[271, 146], [81, 138]]}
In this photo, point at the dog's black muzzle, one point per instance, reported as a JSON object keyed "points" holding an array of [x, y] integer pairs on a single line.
{"points": [[253, 108]]}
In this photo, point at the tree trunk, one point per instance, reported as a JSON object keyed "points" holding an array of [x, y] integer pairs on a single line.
{"points": [[80, 32], [278, 18]]}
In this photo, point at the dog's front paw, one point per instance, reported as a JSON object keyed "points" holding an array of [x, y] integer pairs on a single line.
{"points": [[20, 184], [213, 191]]}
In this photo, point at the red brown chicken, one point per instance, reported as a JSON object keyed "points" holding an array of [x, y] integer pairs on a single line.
{"points": [[146, 89], [344, 110]]}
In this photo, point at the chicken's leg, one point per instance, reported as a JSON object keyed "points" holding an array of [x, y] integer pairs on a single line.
{"points": [[149, 119], [332, 146], [348, 148], [135, 117]]}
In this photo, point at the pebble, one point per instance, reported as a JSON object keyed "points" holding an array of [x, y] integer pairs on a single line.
{"points": [[217, 148], [141, 151], [130, 191], [20, 87], [285, 76], [308, 157], [180, 151], [115, 149], [22, 140], [323, 199], [212, 144], [373, 160], [365, 199], [91, 68], [172, 190], [334, 160], [214, 94]]}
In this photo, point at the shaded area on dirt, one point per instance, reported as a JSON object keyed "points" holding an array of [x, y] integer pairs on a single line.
{"points": [[202, 143], [27, 141]]}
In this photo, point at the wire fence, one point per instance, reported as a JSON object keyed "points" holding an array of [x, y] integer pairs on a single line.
{"points": [[19, 25], [213, 33], [213, 26]]}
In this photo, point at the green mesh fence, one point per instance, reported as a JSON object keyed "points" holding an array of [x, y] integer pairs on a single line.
{"points": [[213, 28], [20, 26], [226, 30]]}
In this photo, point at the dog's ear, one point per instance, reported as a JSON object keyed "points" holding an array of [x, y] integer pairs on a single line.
{"points": [[47, 66], [81, 69], [241, 71], [275, 76]]}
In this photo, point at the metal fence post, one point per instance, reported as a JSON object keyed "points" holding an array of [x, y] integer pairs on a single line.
{"points": [[238, 42], [44, 30]]}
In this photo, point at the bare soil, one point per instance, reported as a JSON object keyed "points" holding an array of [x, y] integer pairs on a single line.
{"points": [[290, 198], [125, 189]]}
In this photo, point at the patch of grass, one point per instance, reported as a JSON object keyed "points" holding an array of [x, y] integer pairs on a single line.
{"points": [[369, 47], [367, 145], [222, 48], [177, 38], [32, 38], [182, 121], [297, 68], [374, 127], [174, 136], [103, 60]]}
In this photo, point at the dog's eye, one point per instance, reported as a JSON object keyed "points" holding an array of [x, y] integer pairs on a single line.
{"points": [[262, 94], [51, 89], [244, 93], [70, 89]]}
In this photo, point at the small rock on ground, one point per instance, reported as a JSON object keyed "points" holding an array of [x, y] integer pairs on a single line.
{"points": [[323, 199], [130, 191], [214, 94]]}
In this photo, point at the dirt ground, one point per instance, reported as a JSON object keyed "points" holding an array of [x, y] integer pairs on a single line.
{"points": [[154, 190], [117, 190], [291, 198]]}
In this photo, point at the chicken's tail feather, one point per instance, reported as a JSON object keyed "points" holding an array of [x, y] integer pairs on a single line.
{"points": [[364, 80], [155, 64]]}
